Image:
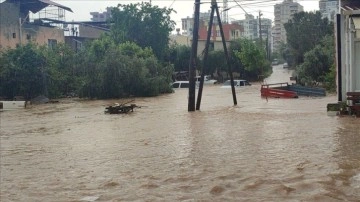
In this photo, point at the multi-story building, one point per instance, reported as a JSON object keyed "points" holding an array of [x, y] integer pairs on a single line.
{"points": [[250, 25], [17, 29], [283, 13], [231, 32], [329, 8], [188, 23], [265, 27], [101, 17]]}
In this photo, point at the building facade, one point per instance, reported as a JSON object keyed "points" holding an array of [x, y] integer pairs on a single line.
{"points": [[283, 13], [188, 23], [16, 28], [231, 32], [348, 48], [252, 27], [329, 9], [101, 16]]}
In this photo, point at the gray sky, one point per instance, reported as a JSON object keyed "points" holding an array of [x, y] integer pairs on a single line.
{"points": [[184, 8]]}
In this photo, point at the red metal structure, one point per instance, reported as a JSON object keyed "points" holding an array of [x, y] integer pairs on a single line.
{"points": [[275, 90]]}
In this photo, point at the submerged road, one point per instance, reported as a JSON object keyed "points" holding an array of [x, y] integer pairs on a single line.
{"points": [[259, 150]]}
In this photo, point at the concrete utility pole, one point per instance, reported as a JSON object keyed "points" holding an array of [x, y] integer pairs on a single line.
{"points": [[193, 57]]}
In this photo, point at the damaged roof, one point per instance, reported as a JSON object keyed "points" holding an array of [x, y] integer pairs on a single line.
{"points": [[36, 5]]}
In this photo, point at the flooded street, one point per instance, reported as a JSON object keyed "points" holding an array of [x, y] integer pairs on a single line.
{"points": [[260, 150]]}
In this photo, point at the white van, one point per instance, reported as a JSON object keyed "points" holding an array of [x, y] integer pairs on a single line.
{"points": [[183, 84], [237, 83], [207, 80]]}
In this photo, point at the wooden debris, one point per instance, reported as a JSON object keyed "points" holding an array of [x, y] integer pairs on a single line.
{"points": [[121, 108]]}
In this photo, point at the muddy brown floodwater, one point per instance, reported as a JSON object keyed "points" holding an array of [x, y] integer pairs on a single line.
{"points": [[275, 150]]}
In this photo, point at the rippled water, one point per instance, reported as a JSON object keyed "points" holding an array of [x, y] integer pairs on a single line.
{"points": [[259, 150]]}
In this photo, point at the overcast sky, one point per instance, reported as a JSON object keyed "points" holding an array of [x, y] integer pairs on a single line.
{"points": [[184, 8]]}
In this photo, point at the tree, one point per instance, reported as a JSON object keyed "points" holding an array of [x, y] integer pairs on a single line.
{"points": [[179, 55], [318, 63], [123, 70], [22, 72], [304, 31], [216, 62], [253, 58], [143, 24]]}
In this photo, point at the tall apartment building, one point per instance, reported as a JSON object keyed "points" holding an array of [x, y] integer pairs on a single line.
{"points": [[252, 28], [283, 13], [250, 24], [329, 8]]}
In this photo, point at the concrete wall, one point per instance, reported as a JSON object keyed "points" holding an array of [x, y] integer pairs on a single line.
{"points": [[217, 46], [90, 32], [9, 25], [12, 34]]}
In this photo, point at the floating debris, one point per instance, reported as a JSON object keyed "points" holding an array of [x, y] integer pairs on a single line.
{"points": [[121, 108]]}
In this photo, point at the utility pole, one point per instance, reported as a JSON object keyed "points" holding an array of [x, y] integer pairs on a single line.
{"points": [[215, 8], [193, 57], [260, 35]]}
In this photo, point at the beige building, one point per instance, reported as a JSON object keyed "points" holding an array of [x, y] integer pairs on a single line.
{"points": [[16, 28], [283, 13]]}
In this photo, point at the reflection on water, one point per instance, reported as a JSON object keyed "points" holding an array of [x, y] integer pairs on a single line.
{"points": [[275, 150]]}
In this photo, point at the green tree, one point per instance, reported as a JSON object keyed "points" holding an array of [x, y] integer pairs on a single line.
{"points": [[304, 31], [216, 62], [253, 58], [123, 70], [319, 63], [143, 24], [22, 72], [179, 56]]}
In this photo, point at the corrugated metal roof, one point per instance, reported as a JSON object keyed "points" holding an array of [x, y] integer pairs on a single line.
{"points": [[36, 5], [350, 5]]}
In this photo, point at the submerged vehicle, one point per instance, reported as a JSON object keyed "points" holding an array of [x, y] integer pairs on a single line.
{"points": [[237, 83]]}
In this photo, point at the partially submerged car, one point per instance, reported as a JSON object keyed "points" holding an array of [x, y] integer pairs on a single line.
{"points": [[180, 84], [237, 83], [207, 80]]}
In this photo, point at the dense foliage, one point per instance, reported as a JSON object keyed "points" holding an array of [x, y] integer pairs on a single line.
{"points": [[304, 31], [129, 61], [179, 56], [123, 70], [103, 70], [318, 63], [253, 59], [310, 49], [144, 24]]}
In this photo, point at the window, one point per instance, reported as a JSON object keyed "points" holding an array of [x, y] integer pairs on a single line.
{"points": [[185, 85], [176, 85]]}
